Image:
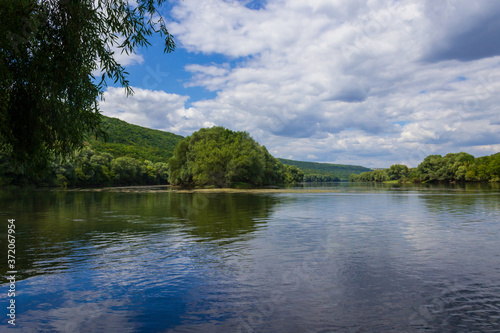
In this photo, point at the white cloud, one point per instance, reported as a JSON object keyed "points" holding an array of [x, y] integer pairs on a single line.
{"points": [[122, 58], [153, 109], [342, 81], [125, 59]]}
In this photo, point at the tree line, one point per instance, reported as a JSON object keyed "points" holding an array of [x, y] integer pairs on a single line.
{"points": [[86, 167], [453, 167], [214, 156], [325, 172]]}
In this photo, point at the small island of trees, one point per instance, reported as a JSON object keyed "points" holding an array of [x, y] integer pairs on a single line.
{"points": [[223, 158]]}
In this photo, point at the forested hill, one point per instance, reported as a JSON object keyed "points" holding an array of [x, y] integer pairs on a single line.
{"points": [[135, 155], [143, 143], [134, 141], [314, 171]]}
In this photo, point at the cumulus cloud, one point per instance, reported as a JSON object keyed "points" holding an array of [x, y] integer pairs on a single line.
{"points": [[465, 30], [364, 82], [153, 109]]}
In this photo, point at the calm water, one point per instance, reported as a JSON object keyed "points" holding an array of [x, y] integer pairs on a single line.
{"points": [[359, 259]]}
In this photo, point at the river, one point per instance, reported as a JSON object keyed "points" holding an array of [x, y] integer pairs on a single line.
{"points": [[336, 258]]}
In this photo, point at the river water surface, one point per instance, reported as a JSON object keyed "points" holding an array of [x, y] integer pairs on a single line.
{"points": [[354, 258]]}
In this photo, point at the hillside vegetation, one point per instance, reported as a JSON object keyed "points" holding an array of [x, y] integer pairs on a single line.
{"points": [[325, 172], [134, 141], [130, 155]]}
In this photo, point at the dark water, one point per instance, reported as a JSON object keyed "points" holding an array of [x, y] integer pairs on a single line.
{"points": [[359, 259]]}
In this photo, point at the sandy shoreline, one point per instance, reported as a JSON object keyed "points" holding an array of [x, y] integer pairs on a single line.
{"points": [[176, 189]]}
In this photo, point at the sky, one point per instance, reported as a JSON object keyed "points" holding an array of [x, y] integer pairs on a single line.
{"points": [[363, 82]]}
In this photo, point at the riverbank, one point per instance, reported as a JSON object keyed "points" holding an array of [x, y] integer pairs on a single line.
{"points": [[299, 188], [177, 189]]}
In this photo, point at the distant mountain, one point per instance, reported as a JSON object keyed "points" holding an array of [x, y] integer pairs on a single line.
{"points": [[141, 143], [326, 171]]}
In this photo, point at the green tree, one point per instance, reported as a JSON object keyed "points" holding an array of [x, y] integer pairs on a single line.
{"points": [[64, 172], [367, 176], [127, 171], [84, 171], [161, 172], [178, 172], [148, 172], [354, 177], [292, 174], [452, 167], [101, 165], [482, 172], [461, 173], [494, 166], [221, 157], [273, 171], [428, 169], [397, 172], [48, 52]]}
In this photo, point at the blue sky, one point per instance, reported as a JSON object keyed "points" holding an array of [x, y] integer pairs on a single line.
{"points": [[370, 83]]}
